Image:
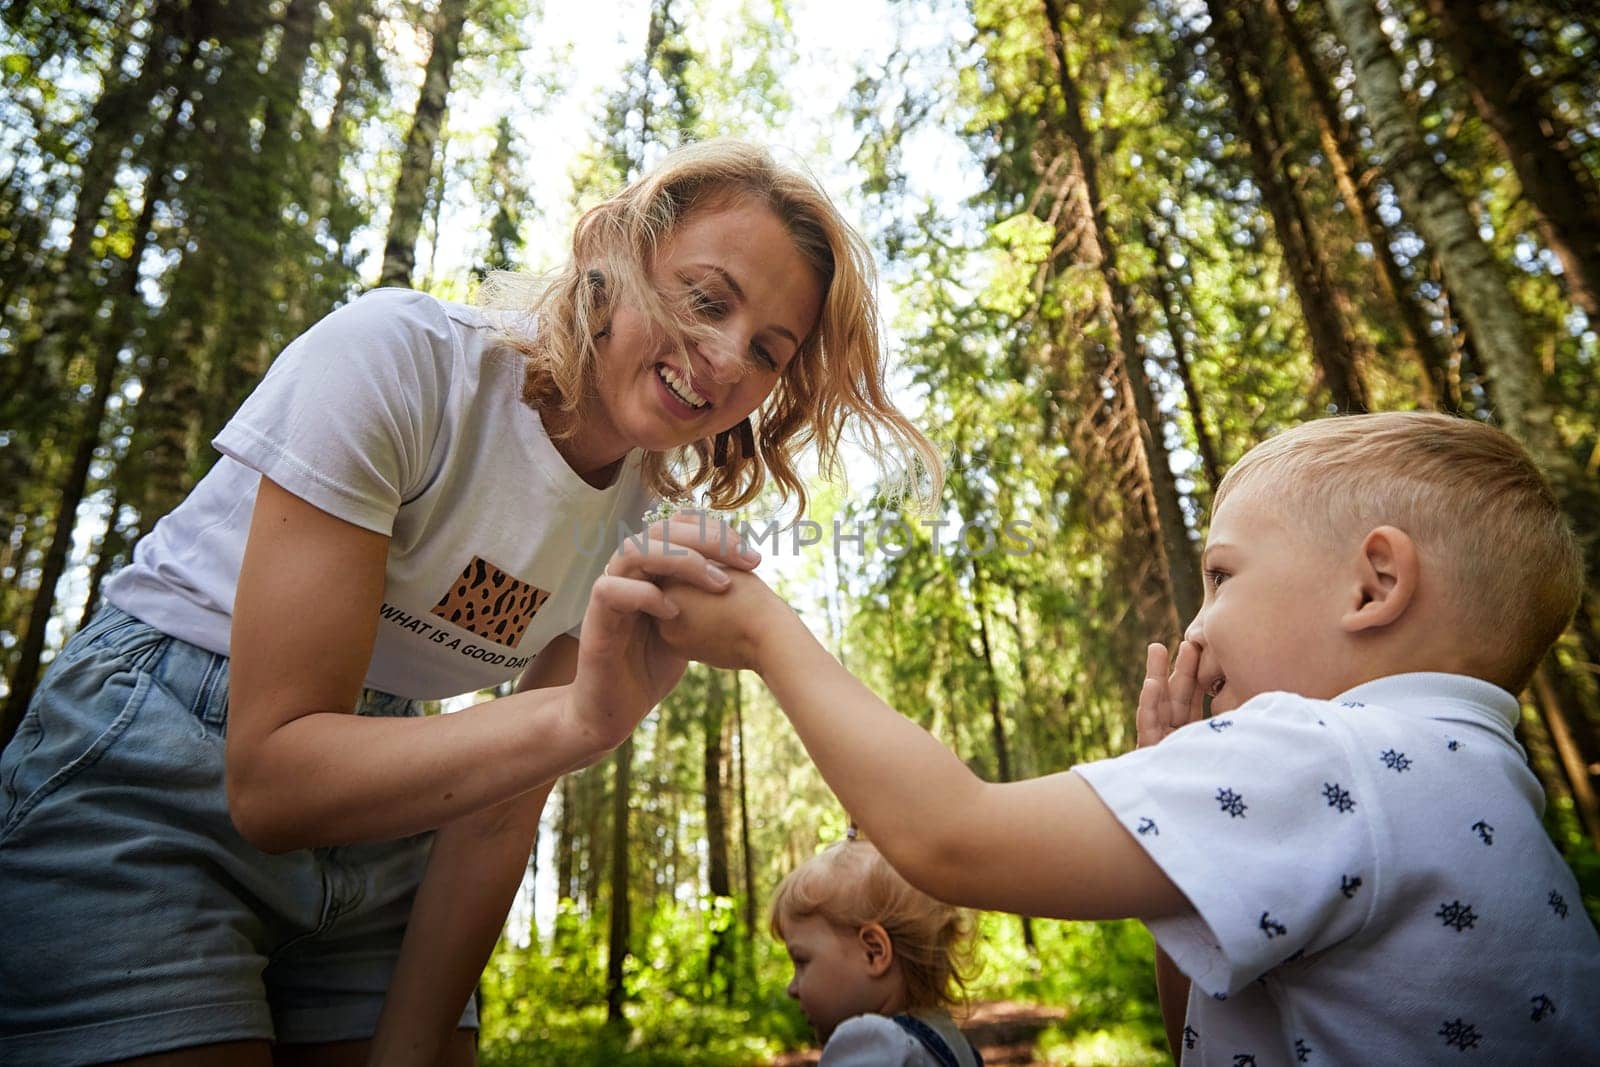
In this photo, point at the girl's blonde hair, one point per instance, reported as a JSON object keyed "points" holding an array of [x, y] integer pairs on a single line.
{"points": [[838, 371], [850, 885]]}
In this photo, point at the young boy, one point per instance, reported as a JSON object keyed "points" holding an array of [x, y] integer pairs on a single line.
{"points": [[1345, 862]]}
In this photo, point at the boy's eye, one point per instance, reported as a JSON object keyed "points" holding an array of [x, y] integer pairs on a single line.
{"points": [[1216, 578]]}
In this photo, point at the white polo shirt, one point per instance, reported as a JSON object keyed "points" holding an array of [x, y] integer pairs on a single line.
{"points": [[1370, 878]]}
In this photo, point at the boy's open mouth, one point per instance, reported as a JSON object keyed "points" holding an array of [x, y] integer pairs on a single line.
{"points": [[1216, 685]]}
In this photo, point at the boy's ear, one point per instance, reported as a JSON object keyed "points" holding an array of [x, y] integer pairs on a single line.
{"points": [[1387, 573], [878, 947]]}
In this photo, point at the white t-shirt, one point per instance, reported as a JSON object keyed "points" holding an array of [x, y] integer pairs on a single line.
{"points": [[1370, 878], [879, 1041], [403, 415]]}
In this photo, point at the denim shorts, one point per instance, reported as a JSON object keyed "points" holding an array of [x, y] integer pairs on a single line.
{"points": [[133, 917]]}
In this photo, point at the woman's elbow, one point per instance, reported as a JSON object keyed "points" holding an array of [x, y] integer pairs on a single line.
{"points": [[257, 819]]}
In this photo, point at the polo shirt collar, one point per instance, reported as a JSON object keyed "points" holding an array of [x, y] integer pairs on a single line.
{"points": [[1442, 696]]}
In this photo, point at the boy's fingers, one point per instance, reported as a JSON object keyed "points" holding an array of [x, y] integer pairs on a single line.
{"points": [[1151, 718], [1185, 680]]}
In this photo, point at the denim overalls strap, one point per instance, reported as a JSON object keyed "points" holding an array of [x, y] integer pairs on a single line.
{"points": [[937, 1047]]}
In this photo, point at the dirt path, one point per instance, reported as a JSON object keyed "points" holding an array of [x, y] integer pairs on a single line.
{"points": [[1004, 1031]]}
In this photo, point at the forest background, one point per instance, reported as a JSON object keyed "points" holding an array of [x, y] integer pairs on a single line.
{"points": [[1121, 240]]}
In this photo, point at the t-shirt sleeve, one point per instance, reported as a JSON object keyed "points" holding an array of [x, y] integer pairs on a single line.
{"points": [[870, 1041], [347, 416], [1258, 817]]}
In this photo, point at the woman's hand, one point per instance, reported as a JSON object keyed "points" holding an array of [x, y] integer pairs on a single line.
{"points": [[624, 666]]}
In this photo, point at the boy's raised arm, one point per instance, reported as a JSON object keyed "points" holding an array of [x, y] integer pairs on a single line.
{"points": [[1046, 846]]}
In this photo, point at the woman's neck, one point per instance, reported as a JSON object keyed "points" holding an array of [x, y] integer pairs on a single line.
{"points": [[589, 451]]}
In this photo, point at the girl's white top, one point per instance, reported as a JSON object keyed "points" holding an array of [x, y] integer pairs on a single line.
{"points": [[878, 1041]]}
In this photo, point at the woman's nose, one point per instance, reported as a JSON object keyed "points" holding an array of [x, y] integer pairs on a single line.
{"points": [[794, 988], [723, 357]]}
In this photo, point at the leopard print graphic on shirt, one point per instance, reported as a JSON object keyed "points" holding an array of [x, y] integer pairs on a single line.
{"points": [[487, 601]]}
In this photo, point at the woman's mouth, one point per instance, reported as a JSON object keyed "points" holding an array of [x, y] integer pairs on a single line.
{"points": [[683, 397]]}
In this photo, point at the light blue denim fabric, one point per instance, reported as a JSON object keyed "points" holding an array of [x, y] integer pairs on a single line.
{"points": [[133, 916]]}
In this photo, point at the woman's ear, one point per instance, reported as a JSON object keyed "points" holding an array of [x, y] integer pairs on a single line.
{"points": [[879, 949], [1387, 572]]}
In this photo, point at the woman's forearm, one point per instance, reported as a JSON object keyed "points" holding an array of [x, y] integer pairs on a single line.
{"points": [[473, 873], [333, 778]]}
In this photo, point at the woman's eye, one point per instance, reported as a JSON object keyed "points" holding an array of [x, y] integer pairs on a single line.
{"points": [[765, 358], [706, 305]]}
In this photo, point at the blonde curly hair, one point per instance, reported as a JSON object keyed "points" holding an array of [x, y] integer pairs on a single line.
{"points": [[851, 885], [837, 375]]}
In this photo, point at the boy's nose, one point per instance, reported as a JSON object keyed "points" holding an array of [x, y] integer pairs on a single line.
{"points": [[1196, 631]]}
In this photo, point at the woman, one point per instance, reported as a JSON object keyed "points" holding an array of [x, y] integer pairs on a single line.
{"points": [[417, 501]]}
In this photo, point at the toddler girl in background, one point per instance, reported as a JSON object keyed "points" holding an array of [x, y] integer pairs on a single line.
{"points": [[877, 964]]}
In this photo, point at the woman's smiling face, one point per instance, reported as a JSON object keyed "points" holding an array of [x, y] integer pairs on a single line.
{"points": [[737, 266]]}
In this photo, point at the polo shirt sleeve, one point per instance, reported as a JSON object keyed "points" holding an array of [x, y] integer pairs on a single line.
{"points": [[347, 417], [1258, 816]]}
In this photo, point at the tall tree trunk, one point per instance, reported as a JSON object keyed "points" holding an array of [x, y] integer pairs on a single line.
{"points": [[566, 829], [1577, 772], [1340, 147], [1330, 340], [718, 886], [617, 949], [25, 674], [1172, 304], [1478, 287], [422, 142], [1163, 509], [997, 721], [747, 858], [108, 553], [1563, 193]]}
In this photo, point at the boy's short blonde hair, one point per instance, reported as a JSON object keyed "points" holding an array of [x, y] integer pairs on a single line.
{"points": [[850, 885], [1469, 496]]}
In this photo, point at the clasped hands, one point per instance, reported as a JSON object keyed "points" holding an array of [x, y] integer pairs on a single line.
{"points": [[678, 590]]}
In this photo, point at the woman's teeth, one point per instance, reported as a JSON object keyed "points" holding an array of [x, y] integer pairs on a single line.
{"points": [[680, 387]]}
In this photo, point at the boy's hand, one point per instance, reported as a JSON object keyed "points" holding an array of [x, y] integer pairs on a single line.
{"points": [[1168, 702], [624, 667], [723, 630]]}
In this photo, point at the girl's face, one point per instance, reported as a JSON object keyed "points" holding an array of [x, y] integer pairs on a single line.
{"points": [[737, 265], [833, 976]]}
